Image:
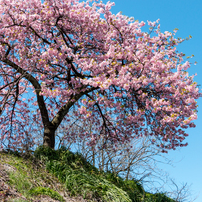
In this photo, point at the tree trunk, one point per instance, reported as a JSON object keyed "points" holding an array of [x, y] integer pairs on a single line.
{"points": [[93, 156], [49, 137]]}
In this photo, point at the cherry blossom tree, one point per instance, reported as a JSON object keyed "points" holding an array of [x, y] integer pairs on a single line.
{"points": [[60, 55]]}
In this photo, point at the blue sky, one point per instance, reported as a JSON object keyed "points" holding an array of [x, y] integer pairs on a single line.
{"points": [[185, 15]]}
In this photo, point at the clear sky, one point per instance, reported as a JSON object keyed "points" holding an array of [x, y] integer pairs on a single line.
{"points": [[185, 15]]}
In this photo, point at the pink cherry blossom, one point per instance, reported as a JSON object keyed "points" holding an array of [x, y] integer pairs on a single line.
{"points": [[63, 55]]}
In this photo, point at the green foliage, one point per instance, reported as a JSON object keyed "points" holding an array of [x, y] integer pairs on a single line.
{"points": [[75, 174], [24, 186], [27, 178], [21, 182], [158, 197], [46, 191], [80, 177], [134, 189]]}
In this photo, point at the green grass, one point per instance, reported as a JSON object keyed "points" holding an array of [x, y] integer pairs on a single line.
{"points": [[29, 179], [80, 177], [21, 181], [46, 191], [41, 173]]}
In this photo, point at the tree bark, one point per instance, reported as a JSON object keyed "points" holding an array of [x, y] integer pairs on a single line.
{"points": [[49, 137]]}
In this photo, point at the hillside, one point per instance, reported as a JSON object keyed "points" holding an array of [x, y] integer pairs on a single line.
{"points": [[49, 175]]}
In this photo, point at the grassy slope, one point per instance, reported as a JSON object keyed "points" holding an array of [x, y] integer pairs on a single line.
{"points": [[68, 171]]}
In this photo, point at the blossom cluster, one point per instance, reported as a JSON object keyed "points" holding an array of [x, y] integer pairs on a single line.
{"points": [[79, 54]]}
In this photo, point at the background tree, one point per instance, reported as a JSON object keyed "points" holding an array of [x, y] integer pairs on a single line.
{"points": [[61, 54]]}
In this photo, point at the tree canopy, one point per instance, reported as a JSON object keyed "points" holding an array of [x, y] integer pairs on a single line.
{"points": [[59, 55]]}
